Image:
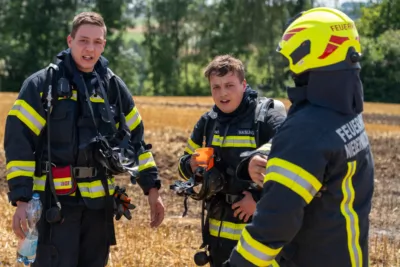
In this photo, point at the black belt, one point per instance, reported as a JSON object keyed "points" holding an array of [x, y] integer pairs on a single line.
{"points": [[77, 172]]}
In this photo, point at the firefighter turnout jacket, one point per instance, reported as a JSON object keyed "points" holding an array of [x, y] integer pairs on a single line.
{"points": [[318, 185], [71, 129], [230, 135]]}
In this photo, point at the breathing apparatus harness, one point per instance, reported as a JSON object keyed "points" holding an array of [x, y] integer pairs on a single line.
{"points": [[212, 180], [114, 152]]}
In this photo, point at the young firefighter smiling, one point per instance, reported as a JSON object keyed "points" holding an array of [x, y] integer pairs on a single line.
{"points": [[88, 102]]}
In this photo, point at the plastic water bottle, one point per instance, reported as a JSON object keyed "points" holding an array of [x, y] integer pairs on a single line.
{"points": [[26, 252]]}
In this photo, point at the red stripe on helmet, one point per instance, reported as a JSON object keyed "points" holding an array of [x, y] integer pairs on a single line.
{"points": [[291, 33], [338, 40], [330, 48]]}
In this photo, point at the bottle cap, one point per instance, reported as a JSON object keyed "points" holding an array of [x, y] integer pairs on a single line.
{"points": [[35, 196]]}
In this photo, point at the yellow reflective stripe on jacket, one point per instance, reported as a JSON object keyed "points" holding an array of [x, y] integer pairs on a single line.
{"points": [[96, 99], [146, 161], [265, 148], [293, 177], [17, 168], [30, 117], [74, 96], [191, 146], [95, 189], [255, 252], [234, 141], [229, 230], [351, 217], [133, 119], [39, 183]]}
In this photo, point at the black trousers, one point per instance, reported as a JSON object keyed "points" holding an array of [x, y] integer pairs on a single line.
{"points": [[220, 248], [80, 241]]}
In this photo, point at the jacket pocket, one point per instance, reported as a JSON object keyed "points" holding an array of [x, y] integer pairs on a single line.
{"points": [[63, 131]]}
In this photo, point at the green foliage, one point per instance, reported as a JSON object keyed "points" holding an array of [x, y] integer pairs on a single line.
{"points": [[381, 67], [160, 47]]}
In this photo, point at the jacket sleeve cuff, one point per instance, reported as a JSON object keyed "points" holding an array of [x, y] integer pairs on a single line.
{"points": [[242, 169], [19, 194], [149, 180]]}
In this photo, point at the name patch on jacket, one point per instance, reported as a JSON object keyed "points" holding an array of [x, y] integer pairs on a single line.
{"points": [[354, 136]]}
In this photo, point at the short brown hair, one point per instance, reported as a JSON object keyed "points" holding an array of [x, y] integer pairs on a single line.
{"points": [[92, 18], [223, 64]]}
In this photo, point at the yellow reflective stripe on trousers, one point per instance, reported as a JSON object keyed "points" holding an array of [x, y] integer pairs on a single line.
{"points": [[17, 168], [146, 161], [234, 141], [26, 114], [255, 252], [293, 177], [351, 217], [265, 148], [39, 183], [229, 230], [95, 189], [191, 146]]}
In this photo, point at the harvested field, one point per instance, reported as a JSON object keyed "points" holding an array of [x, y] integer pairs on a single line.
{"points": [[168, 122]]}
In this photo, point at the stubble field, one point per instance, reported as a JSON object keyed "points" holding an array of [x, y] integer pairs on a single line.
{"points": [[168, 122]]}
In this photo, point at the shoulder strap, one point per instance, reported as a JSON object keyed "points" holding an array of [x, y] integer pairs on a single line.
{"points": [[211, 115], [50, 71], [47, 88], [110, 76], [263, 104]]}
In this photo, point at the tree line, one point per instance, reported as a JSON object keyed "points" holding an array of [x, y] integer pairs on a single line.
{"points": [[160, 47]]}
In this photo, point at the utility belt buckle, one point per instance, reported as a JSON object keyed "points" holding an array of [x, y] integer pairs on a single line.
{"points": [[230, 199], [47, 166], [84, 172]]}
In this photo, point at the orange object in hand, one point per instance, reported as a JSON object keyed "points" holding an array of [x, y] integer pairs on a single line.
{"points": [[205, 157]]}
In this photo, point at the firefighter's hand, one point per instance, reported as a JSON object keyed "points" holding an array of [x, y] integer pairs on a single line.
{"points": [[20, 223], [156, 208], [257, 169], [122, 204], [244, 208]]}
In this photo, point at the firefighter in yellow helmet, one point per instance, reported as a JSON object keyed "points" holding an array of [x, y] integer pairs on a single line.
{"points": [[318, 185]]}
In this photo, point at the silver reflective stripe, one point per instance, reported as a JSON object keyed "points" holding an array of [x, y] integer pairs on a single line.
{"points": [[38, 182], [147, 159], [218, 141], [352, 221], [26, 114], [294, 177], [225, 229], [132, 120], [22, 168], [92, 189], [191, 148], [255, 252]]}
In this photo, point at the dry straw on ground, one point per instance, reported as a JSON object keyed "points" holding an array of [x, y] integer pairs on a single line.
{"points": [[168, 122]]}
